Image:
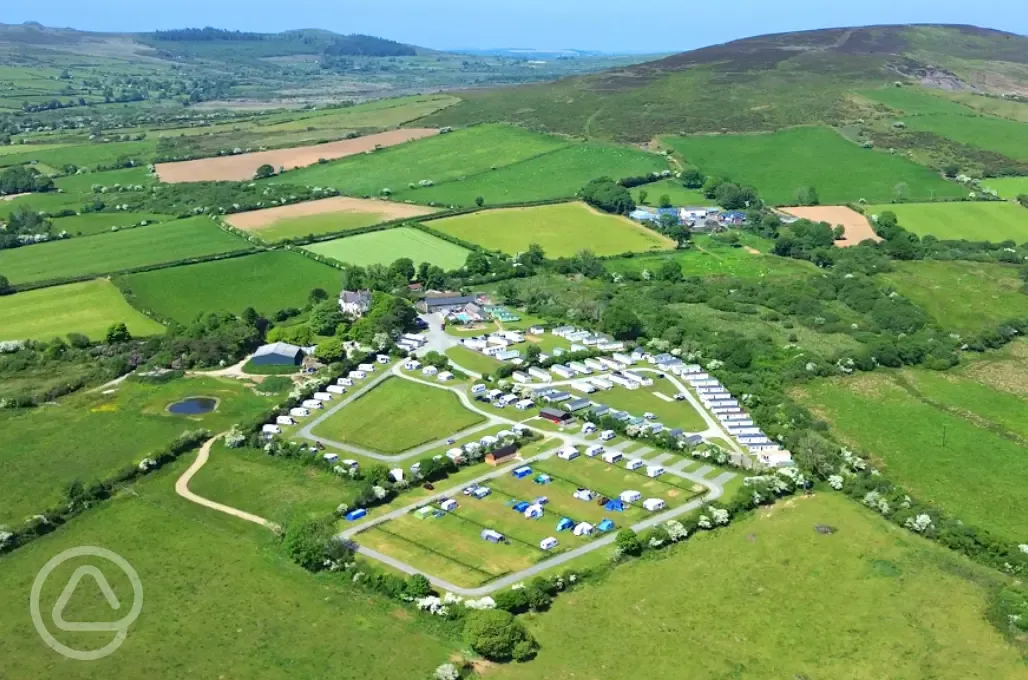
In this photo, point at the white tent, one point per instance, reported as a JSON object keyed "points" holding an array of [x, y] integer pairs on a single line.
{"points": [[583, 529], [534, 511]]}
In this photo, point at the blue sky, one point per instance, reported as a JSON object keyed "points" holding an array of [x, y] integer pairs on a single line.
{"points": [[653, 26]]}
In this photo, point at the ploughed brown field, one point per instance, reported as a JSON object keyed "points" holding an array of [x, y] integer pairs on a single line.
{"points": [[255, 220], [856, 225], [242, 167]]}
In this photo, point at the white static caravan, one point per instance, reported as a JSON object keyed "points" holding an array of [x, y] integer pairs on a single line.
{"points": [[583, 387], [654, 504], [568, 453], [615, 346], [594, 364], [623, 359], [751, 439], [382, 358], [367, 368], [475, 344], [624, 382], [311, 403], [634, 464], [579, 368], [448, 505], [456, 455], [630, 496], [524, 405], [330, 457], [412, 364], [744, 431], [285, 420], [358, 375], [612, 457], [345, 382], [562, 371], [706, 382], [691, 369], [594, 450], [508, 399], [610, 364], [775, 457], [654, 471], [607, 435], [478, 389], [766, 446], [299, 412], [539, 374], [638, 379], [548, 543], [323, 396], [493, 350], [718, 410], [271, 429], [498, 341], [520, 377], [694, 378], [732, 416], [601, 383], [335, 389], [536, 330], [739, 422], [445, 376], [429, 370]]}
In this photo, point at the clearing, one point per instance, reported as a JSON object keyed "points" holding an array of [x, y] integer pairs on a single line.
{"points": [[398, 415], [267, 281], [974, 221], [856, 226], [846, 578], [243, 167], [562, 230], [673, 189], [781, 163], [389, 245], [89, 307], [118, 251], [949, 439], [325, 216]]}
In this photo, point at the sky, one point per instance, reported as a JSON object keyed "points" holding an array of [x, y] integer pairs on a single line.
{"points": [[604, 25]]}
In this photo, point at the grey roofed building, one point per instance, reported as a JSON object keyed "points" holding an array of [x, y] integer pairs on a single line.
{"points": [[576, 405], [354, 302], [278, 354], [694, 439], [600, 409], [445, 303]]}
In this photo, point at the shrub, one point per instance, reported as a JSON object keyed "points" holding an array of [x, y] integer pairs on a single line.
{"points": [[628, 542], [305, 542], [498, 636]]}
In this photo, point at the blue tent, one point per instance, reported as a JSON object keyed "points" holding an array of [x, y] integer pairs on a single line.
{"points": [[521, 506], [614, 505], [542, 500], [543, 479], [565, 523], [355, 515], [605, 525]]}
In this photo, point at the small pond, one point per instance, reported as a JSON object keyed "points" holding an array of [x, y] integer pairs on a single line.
{"points": [[193, 406]]}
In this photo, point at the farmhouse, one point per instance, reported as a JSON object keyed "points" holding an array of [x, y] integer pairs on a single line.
{"points": [[278, 354], [355, 302]]}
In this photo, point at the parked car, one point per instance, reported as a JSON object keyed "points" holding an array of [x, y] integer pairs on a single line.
{"points": [[680, 396], [649, 416], [428, 486]]}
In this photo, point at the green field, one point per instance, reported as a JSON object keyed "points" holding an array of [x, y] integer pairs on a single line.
{"points": [[472, 360], [267, 282], [384, 113], [916, 100], [1007, 187], [944, 437], [558, 174], [87, 155], [673, 189], [84, 183], [441, 158], [107, 253], [562, 230], [398, 415], [299, 227], [972, 221], [385, 247], [637, 402], [964, 296], [90, 436], [725, 605], [88, 224], [90, 308], [780, 163], [220, 600], [49, 202], [1006, 137], [709, 258]]}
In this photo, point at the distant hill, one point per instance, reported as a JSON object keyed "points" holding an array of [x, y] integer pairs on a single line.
{"points": [[759, 83], [532, 53]]}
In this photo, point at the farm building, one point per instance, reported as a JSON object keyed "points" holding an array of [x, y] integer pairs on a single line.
{"points": [[555, 415], [548, 543], [654, 504], [501, 454], [355, 302], [445, 302], [278, 354]]}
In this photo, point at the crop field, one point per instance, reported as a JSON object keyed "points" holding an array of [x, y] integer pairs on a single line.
{"points": [[387, 246], [826, 633], [559, 174], [562, 230], [679, 195], [91, 435], [240, 618], [952, 452], [88, 224], [90, 308], [1006, 137], [972, 221], [964, 296], [1007, 187], [325, 216], [459, 154], [406, 413], [856, 226], [780, 163], [242, 167], [267, 281], [106, 253], [707, 257]]}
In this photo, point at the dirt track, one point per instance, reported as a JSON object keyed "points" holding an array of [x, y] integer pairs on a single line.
{"points": [[242, 167], [857, 226], [256, 220]]}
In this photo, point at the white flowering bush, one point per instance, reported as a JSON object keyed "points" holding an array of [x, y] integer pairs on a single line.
{"points": [[342, 509], [450, 598], [482, 603], [714, 364], [720, 516], [235, 438], [1023, 548], [147, 464], [6, 536], [676, 530], [704, 522], [432, 605], [919, 524], [447, 672], [835, 481], [380, 493]]}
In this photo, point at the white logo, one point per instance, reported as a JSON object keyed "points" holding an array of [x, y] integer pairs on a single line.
{"points": [[120, 627]]}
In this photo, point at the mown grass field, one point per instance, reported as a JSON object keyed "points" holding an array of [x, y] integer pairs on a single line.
{"points": [[710, 601], [916, 100], [780, 163], [966, 297], [83, 155], [972, 221], [952, 452], [707, 257], [1006, 137], [107, 253], [472, 360], [89, 436], [385, 247], [461, 153], [562, 230], [267, 281], [89, 307], [88, 224], [558, 174], [1007, 187], [673, 189], [220, 599], [398, 415], [49, 202], [637, 402]]}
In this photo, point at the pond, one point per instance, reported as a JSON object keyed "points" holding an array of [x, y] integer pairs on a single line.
{"points": [[193, 406]]}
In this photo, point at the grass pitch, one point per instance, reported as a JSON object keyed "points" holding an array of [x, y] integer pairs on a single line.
{"points": [[385, 247], [972, 221], [90, 308], [562, 230], [780, 163], [398, 415]]}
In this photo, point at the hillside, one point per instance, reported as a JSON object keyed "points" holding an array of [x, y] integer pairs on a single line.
{"points": [[760, 83]]}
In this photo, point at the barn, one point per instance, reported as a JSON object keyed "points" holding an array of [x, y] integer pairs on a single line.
{"points": [[277, 354]]}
